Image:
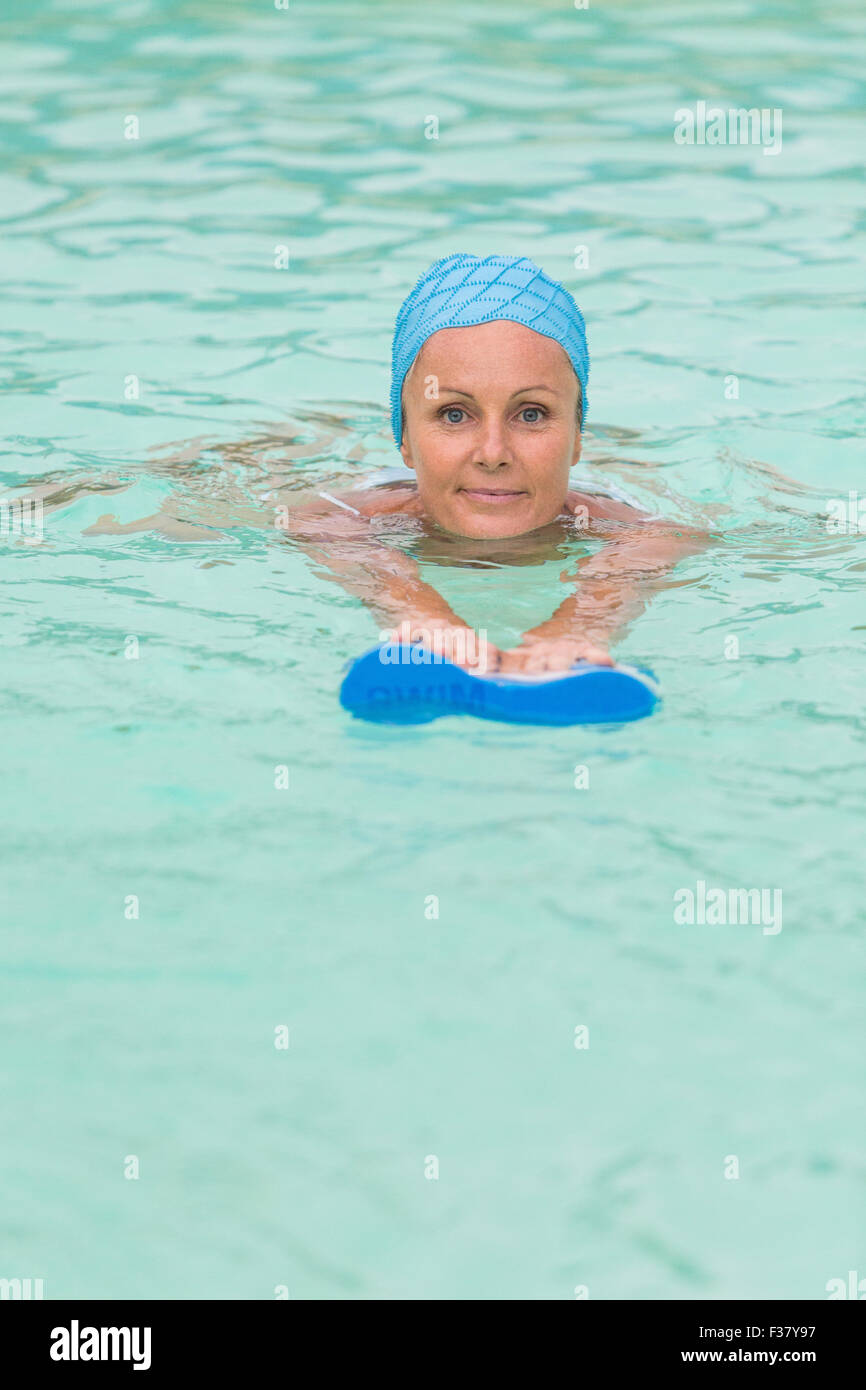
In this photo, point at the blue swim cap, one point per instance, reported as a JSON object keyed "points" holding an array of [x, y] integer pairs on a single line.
{"points": [[463, 290]]}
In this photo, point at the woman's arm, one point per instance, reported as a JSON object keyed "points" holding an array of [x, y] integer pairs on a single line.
{"points": [[387, 580], [613, 587]]}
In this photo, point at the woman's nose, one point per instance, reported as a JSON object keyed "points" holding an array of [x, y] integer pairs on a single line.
{"points": [[492, 449]]}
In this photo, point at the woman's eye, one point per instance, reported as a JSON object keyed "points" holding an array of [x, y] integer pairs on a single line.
{"points": [[455, 414]]}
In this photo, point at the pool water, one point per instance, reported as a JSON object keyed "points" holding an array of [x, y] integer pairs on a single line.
{"points": [[202, 848]]}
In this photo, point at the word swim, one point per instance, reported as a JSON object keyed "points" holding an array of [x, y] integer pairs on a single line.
{"points": [[427, 695], [102, 1344], [719, 907]]}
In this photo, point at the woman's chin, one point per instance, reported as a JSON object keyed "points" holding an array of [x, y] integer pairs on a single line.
{"points": [[494, 522]]}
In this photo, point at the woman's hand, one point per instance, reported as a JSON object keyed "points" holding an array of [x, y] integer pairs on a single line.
{"points": [[552, 654]]}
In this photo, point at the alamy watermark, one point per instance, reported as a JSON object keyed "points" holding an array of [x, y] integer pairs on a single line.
{"points": [[853, 1287], [411, 645], [22, 516], [22, 1288], [847, 515], [719, 907], [712, 125], [77, 1343]]}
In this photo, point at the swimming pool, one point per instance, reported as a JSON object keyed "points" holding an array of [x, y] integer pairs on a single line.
{"points": [[170, 904]]}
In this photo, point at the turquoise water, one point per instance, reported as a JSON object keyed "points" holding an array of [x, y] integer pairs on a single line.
{"points": [[153, 776]]}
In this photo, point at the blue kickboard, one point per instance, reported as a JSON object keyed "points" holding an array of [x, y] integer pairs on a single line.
{"points": [[400, 684]]}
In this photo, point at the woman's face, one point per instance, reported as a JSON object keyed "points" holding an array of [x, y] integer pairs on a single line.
{"points": [[490, 428]]}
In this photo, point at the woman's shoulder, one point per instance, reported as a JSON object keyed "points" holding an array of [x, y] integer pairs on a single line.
{"points": [[385, 499], [598, 506]]}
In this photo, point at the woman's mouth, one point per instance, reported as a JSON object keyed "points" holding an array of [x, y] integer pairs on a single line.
{"points": [[496, 496]]}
